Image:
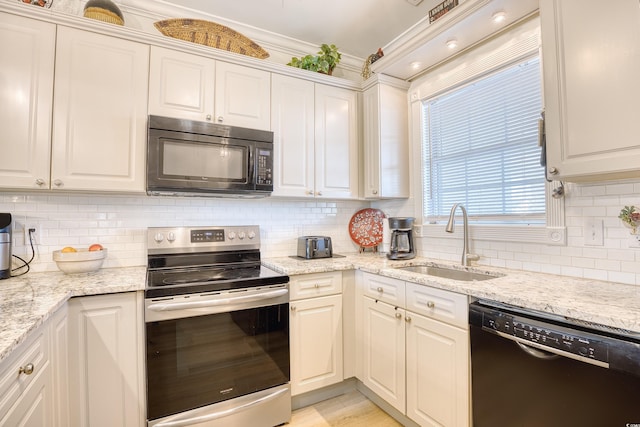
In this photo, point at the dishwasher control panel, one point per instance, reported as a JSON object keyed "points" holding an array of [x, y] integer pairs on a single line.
{"points": [[542, 335]]}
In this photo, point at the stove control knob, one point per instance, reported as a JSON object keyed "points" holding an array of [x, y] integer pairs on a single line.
{"points": [[159, 237], [171, 236], [241, 235], [231, 235], [252, 235]]}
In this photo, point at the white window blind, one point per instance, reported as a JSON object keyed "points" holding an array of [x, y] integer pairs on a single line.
{"points": [[480, 145]]}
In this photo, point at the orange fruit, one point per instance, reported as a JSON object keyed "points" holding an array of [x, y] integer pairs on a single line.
{"points": [[68, 249]]}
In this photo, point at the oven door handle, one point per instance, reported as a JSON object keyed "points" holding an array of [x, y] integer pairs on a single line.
{"points": [[171, 306], [177, 422]]}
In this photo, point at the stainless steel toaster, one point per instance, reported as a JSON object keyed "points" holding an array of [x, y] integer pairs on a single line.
{"points": [[311, 247]]}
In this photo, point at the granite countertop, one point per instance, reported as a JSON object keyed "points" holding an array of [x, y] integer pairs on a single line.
{"points": [[613, 305], [28, 301]]}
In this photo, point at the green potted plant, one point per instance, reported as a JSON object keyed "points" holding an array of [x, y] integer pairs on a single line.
{"points": [[326, 60], [630, 217]]}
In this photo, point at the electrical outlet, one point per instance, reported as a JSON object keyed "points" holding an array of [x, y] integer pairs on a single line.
{"points": [[34, 234], [634, 241], [593, 232]]}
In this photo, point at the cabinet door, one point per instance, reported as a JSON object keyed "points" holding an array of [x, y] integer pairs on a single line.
{"points": [[100, 113], [336, 143], [437, 373], [243, 96], [181, 85], [383, 329], [292, 122], [103, 360], [591, 88], [26, 97], [60, 367], [33, 409], [386, 142], [316, 343]]}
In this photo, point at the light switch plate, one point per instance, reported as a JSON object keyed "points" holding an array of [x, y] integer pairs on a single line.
{"points": [[634, 241], [593, 232]]}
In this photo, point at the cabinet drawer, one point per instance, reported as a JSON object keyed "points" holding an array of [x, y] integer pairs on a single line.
{"points": [[384, 289], [13, 383], [315, 285], [438, 304]]}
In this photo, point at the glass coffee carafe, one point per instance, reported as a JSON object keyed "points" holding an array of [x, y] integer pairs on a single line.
{"points": [[401, 245]]}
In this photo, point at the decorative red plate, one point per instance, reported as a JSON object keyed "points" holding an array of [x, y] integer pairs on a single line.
{"points": [[365, 227]]}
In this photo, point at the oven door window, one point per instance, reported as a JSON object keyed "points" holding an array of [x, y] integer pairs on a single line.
{"points": [[215, 162], [197, 361]]}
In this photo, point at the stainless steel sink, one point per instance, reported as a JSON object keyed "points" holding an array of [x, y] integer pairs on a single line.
{"points": [[448, 273]]}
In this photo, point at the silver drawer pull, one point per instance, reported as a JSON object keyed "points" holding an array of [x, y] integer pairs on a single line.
{"points": [[398, 315], [431, 304], [379, 289], [27, 370], [407, 319]]}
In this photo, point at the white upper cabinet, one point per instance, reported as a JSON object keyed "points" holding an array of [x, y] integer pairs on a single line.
{"points": [[243, 96], [26, 97], [386, 140], [336, 142], [193, 87], [316, 139], [99, 113], [591, 57], [292, 122], [181, 85]]}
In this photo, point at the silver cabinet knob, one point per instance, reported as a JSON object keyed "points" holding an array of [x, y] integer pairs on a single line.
{"points": [[319, 193], [293, 308], [57, 183], [309, 193], [553, 171], [208, 118], [431, 304], [375, 191], [316, 286], [220, 119], [407, 319], [40, 182], [27, 369], [379, 289], [398, 315]]}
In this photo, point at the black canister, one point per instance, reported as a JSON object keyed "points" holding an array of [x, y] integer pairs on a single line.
{"points": [[5, 245]]}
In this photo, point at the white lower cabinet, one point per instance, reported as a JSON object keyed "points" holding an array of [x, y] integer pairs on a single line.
{"points": [[437, 372], [316, 331], [384, 351], [33, 379], [105, 360], [25, 384], [415, 349]]}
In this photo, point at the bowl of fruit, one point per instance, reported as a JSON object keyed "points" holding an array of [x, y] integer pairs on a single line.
{"points": [[82, 260]]}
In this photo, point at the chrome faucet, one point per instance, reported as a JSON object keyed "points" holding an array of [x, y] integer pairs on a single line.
{"points": [[466, 256]]}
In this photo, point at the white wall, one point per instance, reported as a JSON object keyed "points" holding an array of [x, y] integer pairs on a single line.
{"points": [[120, 222]]}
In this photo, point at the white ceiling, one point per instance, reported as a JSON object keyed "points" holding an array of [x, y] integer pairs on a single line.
{"points": [[356, 27]]}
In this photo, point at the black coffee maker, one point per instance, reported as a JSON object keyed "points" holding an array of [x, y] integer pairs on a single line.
{"points": [[401, 245], [5, 245]]}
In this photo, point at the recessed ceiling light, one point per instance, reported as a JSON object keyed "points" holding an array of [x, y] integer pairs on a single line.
{"points": [[452, 43], [499, 16]]}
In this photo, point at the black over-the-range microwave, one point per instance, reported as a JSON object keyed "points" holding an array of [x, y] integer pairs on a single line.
{"points": [[192, 158]]}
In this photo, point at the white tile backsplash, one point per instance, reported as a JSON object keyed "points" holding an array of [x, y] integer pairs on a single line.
{"points": [[613, 261], [120, 222]]}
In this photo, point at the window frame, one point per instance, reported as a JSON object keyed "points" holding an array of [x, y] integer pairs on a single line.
{"points": [[511, 47]]}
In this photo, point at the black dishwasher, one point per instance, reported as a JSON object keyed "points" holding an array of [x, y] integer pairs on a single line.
{"points": [[533, 370]]}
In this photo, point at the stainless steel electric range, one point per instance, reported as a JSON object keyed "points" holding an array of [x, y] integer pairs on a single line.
{"points": [[217, 330]]}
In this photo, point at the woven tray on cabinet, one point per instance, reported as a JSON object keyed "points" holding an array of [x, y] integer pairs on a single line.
{"points": [[210, 34]]}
